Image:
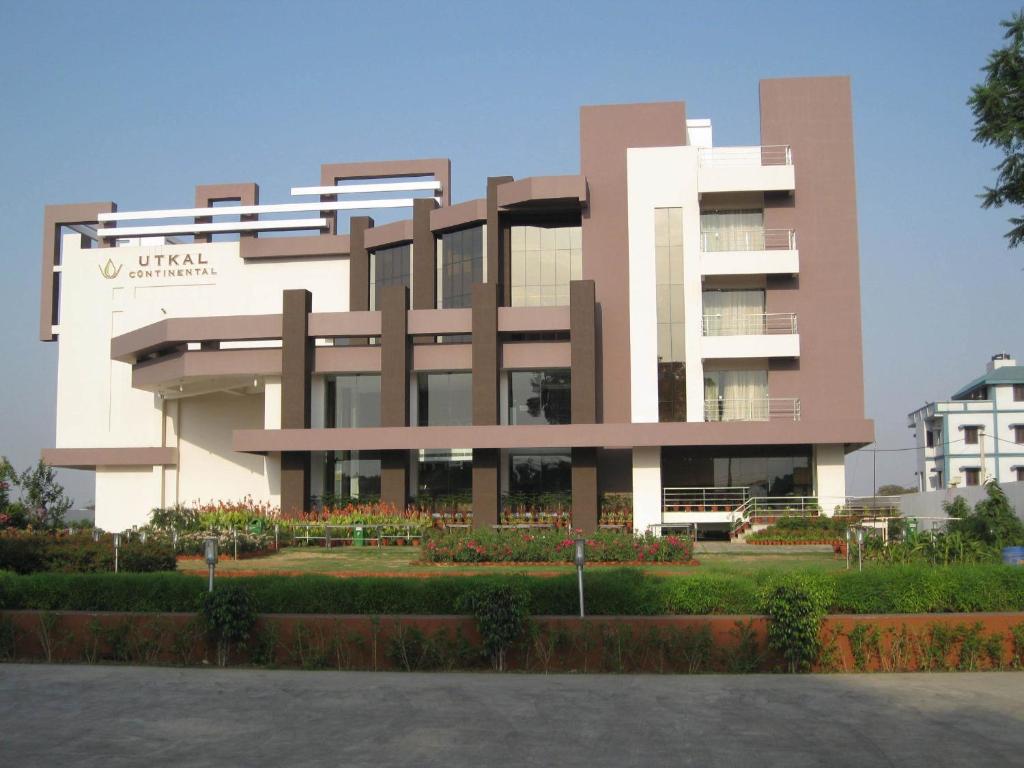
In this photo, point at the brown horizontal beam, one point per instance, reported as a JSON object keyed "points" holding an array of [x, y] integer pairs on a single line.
{"points": [[531, 355], [152, 374], [129, 347], [439, 322], [460, 215], [545, 190], [532, 319], [363, 359], [330, 324], [561, 435], [90, 458], [442, 357], [389, 234], [304, 247]]}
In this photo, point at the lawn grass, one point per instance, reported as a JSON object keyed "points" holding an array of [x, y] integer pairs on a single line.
{"points": [[404, 561]]}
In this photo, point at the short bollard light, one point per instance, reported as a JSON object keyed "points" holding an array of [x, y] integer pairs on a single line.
{"points": [[581, 558], [210, 550], [860, 549], [117, 546], [95, 534], [849, 544], [142, 537]]}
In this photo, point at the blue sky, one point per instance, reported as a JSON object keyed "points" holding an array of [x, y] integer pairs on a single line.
{"points": [[138, 102]]}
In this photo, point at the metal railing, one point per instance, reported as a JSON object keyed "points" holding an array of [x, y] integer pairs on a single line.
{"points": [[756, 324], [694, 500], [778, 154], [752, 409], [747, 239], [773, 507], [354, 534]]}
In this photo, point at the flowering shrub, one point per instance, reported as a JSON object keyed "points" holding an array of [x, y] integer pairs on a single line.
{"points": [[557, 546]]}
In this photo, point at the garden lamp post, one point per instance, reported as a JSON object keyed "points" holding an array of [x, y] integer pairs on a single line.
{"points": [[210, 550], [860, 549], [849, 543], [95, 534], [581, 558], [117, 546]]}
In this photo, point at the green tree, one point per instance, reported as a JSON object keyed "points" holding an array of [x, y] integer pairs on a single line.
{"points": [[993, 520], [43, 495], [8, 477], [998, 107]]}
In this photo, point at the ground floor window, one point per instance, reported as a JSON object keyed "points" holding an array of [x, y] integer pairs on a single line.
{"points": [[540, 471], [445, 473], [766, 471], [351, 475], [1018, 474], [972, 476]]}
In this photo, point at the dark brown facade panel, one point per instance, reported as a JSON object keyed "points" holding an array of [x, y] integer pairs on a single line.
{"points": [[54, 217], [424, 255], [359, 264], [387, 235], [854, 433], [246, 193], [496, 268], [296, 359], [90, 458], [295, 488], [394, 478], [605, 134], [583, 349], [544, 189], [485, 354], [394, 363], [128, 347], [814, 116], [299, 247], [486, 487], [584, 489]]}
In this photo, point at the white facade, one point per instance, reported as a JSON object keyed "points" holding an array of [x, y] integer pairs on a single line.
{"points": [[970, 441], [106, 292]]}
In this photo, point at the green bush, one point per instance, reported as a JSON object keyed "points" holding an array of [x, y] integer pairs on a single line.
{"points": [[228, 614], [31, 553], [609, 592], [796, 606], [818, 528], [502, 614], [550, 546]]}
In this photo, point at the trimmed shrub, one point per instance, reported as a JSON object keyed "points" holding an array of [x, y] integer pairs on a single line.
{"points": [[551, 546], [228, 615], [33, 553]]}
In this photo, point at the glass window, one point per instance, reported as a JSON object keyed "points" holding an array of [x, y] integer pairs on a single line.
{"points": [[544, 260], [1018, 434], [351, 475], [668, 256], [762, 471], [540, 471], [981, 393], [1018, 393], [446, 473], [353, 401], [445, 399], [929, 439], [460, 264], [736, 396], [390, 266], [970, 435], [1019, 474], [972, 476], [540, 397], [671, 392], [734, 313], [732, 230]]}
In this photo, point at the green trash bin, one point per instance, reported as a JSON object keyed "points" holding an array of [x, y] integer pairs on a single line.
{"points": [[358, 536], [256, 526]]}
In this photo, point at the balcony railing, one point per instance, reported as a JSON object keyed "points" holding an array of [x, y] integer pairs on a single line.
{"points": [[752, 409], [779, 154], [748, 239], [770, 324]]}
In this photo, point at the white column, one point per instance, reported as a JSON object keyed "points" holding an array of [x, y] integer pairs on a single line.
{"points": [[830, 476], [646, 487]]}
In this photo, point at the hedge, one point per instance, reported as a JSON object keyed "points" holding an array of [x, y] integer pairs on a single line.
{"points": [[551, 546], [624, 592], [80, 554]]}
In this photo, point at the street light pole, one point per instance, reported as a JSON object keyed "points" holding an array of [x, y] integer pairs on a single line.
{"points": [[210, 550], [581, 556]]}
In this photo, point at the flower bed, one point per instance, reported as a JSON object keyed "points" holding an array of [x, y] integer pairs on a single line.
{"points": [[802, 530], [556, 546]]}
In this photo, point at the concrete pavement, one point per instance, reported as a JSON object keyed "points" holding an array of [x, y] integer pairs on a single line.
{"points": [[134, 716]]}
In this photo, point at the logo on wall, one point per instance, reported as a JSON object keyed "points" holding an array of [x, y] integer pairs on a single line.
{"points": [[109, 270]]}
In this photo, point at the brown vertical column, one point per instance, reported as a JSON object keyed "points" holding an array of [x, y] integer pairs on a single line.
{"points": [[424, 255], [394, 389], [486, 472], [497, 271], [583, 351], [244, 194], [296, 373]]}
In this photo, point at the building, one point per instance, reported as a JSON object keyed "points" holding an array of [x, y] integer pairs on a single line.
{"points": [[975, 436], [678, 321]]}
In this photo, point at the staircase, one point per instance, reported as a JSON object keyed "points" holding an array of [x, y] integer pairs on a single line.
{"points": [[758, 512]]}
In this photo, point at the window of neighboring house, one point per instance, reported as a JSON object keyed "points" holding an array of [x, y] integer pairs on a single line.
{"points": [[981, 393], [929, 439], [1018, 393], [1018, 434], [1019, 474], [938, 479], [970, 435], [972, 476]]}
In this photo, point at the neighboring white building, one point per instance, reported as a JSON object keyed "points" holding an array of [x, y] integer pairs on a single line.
{"points": [[977, 435]]}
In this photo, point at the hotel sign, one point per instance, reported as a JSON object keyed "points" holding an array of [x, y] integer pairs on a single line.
{"points": [[160, 266]]}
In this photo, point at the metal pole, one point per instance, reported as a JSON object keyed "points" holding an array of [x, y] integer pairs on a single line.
{"points": [[115, 556], [277, 546], [211, 567], [579, 573], [234, 535]]}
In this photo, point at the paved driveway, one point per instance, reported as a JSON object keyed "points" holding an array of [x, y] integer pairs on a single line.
{"points": [[150, 717]]}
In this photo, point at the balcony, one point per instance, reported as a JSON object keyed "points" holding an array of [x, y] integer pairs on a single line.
{"points": [[752, 409], [745, 169], [773, 334], [749, 251]]}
